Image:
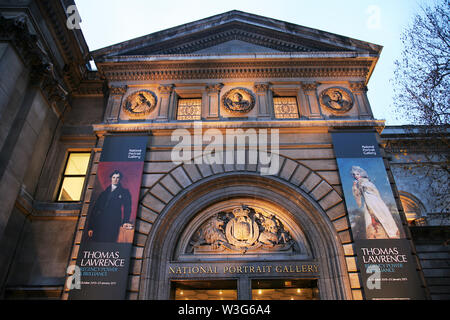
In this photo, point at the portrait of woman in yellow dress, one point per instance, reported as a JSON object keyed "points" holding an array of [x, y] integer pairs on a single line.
{"points": [[379, 222]]}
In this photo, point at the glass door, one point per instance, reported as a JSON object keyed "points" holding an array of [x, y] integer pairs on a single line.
{"points": [[204, 290], [283, 289]]}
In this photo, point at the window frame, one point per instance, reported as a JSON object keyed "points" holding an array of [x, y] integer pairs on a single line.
{"points": [[188, 98], [292, 96], [63, 176]]}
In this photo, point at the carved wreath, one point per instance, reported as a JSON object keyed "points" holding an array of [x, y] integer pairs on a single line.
{"points": [[337, 100], [140, 103], [238, 100]]}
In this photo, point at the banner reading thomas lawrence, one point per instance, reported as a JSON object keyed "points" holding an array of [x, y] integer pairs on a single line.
{"points": [[384, 255], [107, 238]]}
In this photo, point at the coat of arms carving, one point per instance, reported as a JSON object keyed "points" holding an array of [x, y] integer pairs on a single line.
{"points": [[243, 229], [140, 103], [337, 100], [238, 100]]}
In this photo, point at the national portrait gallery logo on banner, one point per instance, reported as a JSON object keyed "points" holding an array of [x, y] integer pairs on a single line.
{"points": [[230, 146]]}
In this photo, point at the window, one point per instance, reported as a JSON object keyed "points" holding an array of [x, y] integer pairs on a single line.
{"points": [[189, 109], [285, 107], [74, 175]]}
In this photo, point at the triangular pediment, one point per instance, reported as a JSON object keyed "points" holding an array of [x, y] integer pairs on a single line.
{"points": [[236, 32]]}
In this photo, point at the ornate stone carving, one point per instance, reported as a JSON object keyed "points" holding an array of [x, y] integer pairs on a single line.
{"points": [[358, 87], [140, 103], [238, 100], [337, 100], [261, 87], [309, 86], [243, 229], [117, 91], [214, 88]]}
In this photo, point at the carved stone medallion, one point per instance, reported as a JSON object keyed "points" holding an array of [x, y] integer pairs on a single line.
{"points": [[140, 104], [238, 100], [337, 100], [243, 229]]}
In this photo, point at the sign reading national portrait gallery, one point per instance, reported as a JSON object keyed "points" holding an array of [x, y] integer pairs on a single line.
{"points": [[384, 254], [105, 249]]}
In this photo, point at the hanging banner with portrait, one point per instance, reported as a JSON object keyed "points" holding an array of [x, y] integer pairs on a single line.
{"points": [[388, 269], [106, 244]]}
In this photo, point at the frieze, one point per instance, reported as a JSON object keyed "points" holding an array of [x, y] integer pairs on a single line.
{"points": [[337, 100], [140, 103], [194, 74]]}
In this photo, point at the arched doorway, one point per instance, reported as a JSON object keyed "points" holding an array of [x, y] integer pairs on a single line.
{"points": [[170, 250]]}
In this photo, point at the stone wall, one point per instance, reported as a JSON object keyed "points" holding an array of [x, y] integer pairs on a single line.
{"points": [[307, 161]]}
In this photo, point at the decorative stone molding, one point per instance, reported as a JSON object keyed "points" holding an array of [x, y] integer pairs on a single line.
{"points": [[311, 102], [165, 92], [262, 95], [214, 88], [213, 100], [357, 87], [261, 87], [224, 72], [117, 91], [15, 30], [165, 89], [309, 86], [359, 90]]}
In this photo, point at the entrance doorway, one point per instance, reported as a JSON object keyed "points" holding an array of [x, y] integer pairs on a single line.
{"points": [[285, 289], [204, 290], [260, 289]]}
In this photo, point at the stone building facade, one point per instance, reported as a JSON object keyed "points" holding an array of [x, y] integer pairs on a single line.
{"points": [[235, 74]]}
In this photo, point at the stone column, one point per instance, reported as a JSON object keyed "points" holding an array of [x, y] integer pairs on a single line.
{"points": [[213, 101], [114, 103], [359, 90], [164, 98], [312, 108], [262, 97]]}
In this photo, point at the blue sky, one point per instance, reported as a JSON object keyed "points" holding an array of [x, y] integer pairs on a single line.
{"points": [[106, 22]]}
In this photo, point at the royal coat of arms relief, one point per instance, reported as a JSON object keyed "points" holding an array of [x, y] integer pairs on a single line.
{"points": [[241, 230]]}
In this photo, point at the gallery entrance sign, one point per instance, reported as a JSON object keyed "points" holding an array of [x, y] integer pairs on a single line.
{"points": [[105, 249], [384, 255]]}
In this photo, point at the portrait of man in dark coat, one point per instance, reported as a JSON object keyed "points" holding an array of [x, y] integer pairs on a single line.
{"points": [[111, 211]]}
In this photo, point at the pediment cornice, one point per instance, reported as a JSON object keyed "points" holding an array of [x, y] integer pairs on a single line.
{"points": [[236, 25]]}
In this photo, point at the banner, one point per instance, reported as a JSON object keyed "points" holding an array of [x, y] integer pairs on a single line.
{"points": [[105, 249], [384, 257]]}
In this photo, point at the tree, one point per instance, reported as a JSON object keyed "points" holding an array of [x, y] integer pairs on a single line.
{"points": [[422, 75], [422, 97]]}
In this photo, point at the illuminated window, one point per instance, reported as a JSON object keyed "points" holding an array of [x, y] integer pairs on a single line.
{"points": [[204, 290], [74, 175], [301, 289], [189, 109], [285, 107]]}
